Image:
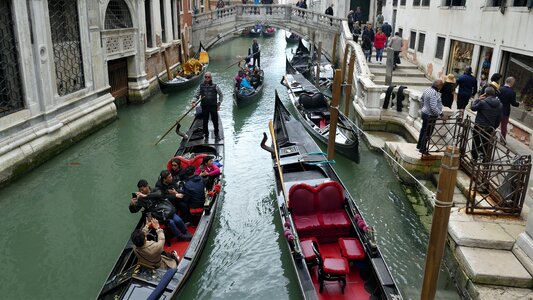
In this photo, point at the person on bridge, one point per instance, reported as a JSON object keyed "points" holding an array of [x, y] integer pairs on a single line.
{"points": [[220, 6], [431, 111], [256, 52], [208, 92], [350, 18], [387, 29], [380, 39], [329, 11], [369, 32], [467, 89], [508, 98]]}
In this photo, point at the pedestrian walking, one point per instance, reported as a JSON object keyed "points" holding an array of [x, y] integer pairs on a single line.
{"points": [[507, 98], [467, 89], [448, 90], [488, 117]]}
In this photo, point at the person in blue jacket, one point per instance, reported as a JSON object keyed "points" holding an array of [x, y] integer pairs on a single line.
{"points": [[467, 89]]}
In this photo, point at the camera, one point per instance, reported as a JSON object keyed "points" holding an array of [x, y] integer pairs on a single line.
{"points": [[133, 195]]}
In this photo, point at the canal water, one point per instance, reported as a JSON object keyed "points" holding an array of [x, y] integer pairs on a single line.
{"points": [[65, 223]]}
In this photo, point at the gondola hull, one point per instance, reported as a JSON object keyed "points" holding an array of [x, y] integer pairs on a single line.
{"points": [[242, 99], [298, 163], [300, 61], [346, 138], [169, 87], [269, 31], [292, 39], [129, 280]]}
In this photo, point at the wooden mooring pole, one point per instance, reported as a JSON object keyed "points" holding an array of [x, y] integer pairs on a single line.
{"points": [[348, 89], [334, 113], [439, 225], [318, 58]]}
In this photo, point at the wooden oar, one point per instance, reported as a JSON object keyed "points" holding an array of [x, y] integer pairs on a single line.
{"points": [[285, 197], [179, 120], [248, 56]]}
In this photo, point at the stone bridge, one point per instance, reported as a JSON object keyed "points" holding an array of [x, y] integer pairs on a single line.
{"points": [[216, 26]]}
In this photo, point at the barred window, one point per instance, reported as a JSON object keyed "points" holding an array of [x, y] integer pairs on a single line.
{"points": [[65, 30], [425, 2], [117, 15], [454, 2], [440, 47], [394, 2], [520, 3], [10, 84], [416, 2], [402, 2], [412, 40], [421, 41]]}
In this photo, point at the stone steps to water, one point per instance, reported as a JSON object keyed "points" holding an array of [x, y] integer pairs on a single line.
{"points": [[406, 72], [404, 80]]}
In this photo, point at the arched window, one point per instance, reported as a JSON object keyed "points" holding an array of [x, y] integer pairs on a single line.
{"points": [[10, 85], [117, 15]]}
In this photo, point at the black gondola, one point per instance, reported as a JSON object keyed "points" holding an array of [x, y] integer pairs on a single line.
{"points": [[313, 110], [243, 98], [184, 83], [300, 61], [269, 31], [292, 38], [333, 250], [256, 30], [130, 280]]}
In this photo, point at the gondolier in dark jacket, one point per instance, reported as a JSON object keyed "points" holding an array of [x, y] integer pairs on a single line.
{"points": [[488, 117], [208, 92], [256, 51]]}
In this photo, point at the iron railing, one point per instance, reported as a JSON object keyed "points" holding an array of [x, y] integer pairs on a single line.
{"points": [[498, 175]]}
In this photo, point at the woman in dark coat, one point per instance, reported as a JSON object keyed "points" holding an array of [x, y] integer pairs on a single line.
{"points": [[448, 90]]}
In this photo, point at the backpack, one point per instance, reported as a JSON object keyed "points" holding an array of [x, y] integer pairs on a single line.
{"points": [[162, 210]]}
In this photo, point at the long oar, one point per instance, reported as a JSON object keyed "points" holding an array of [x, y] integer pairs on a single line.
{"points": [[179, 120], [244, 58], [285, 196]]}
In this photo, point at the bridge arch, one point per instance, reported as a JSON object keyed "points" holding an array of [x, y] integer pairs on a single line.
{"points": [[214, 27]]}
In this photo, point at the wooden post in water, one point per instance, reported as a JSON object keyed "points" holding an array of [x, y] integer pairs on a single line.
{"points": [[318, 58], [344, 61], [334, 51], [439, 225], [334, 113], [165, 58], [348, 90]]}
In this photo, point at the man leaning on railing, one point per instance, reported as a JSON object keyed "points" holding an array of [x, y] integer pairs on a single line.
{"points": [[431, 111]]}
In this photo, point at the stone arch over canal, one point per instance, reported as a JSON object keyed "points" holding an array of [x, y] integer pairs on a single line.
{"points": [[213, 27]]}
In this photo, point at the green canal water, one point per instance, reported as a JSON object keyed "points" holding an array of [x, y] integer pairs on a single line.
{"points": [[64, 224]]}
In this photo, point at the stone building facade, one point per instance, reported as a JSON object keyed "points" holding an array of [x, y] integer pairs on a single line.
{"points": [[64, 65]]}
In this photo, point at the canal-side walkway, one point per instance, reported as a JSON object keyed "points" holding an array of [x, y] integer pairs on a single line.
{"points": [[487, 263]]}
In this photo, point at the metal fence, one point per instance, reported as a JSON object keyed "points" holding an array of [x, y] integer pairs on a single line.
{"points": [[498, 175]]}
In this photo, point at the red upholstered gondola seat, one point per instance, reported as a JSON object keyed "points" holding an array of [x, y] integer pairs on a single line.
{"points": [[196, 211], [351, 248], [184, 163], [307, 250], [319, 211], [336, 266]]}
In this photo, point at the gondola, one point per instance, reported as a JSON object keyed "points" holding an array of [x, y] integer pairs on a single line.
{"points": [[242, 98], [300, 61], [269, 31], [292, 38], [130, 280], [333, 250], [312, 108], [187, 81], [326, 73], [256, 30]]}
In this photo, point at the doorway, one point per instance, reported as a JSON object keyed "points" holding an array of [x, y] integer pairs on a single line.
{"points": [[118, 79]]}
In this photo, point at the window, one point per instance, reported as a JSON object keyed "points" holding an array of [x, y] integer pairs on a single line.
{"points": [[65, 31], [400, 31], [117, 15], [520, 3], [148, 21], [394, 2], [495, 3], [10, 86], [402, 2], [416, 2], [163, 23], [425, 2], [454, 2], [440, 47], [421, 41], [412, 40]]}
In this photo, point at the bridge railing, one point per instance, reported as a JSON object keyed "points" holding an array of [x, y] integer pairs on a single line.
{"points": [[263, 12]]}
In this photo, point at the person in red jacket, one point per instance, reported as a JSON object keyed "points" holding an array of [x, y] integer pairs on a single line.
{"points": [[379, 43]]}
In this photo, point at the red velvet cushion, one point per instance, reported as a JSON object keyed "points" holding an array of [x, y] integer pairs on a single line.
{"points": [[301, 199], [196, 211], [305, 222], [351, 248], [307, 248], [336, 266], [335, 219], [330, 196], [184, 163]]}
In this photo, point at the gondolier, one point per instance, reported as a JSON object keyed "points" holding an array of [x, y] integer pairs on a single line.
{"points": [[207, 92], [256, 50]]}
